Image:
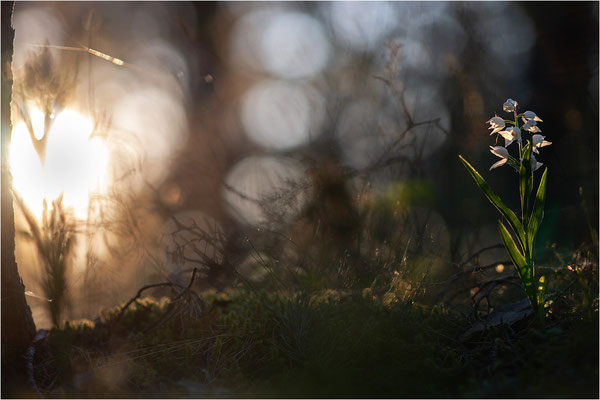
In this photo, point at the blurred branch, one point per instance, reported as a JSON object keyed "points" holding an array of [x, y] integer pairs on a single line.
{"points": [[154, 285]]}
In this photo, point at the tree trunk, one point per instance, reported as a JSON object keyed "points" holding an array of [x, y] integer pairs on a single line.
{"points": [[18, 328]]}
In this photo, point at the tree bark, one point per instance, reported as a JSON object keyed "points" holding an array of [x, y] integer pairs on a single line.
{"points": [[18, 328]]}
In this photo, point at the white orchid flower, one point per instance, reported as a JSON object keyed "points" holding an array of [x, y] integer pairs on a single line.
{"points": [[501, 152], [531, 126], [510, 105], [539, 141], [535, 165], [528, 115], [510, 135], [496, 123]]}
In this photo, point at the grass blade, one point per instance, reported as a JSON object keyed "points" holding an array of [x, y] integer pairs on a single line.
{"points": [[495, 200]]}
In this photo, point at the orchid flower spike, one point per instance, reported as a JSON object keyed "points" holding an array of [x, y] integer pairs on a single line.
{"points": [[496, 124], [527, 115], [539, 141], [510, 105], [531, 126], [501, 152], [511, 134]]}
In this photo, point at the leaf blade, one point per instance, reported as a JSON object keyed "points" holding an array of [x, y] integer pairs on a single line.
{"points": [[495, 200], [521, 265], [537, 213], [515, 255]]}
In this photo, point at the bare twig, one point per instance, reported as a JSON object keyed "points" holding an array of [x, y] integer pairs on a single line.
{"points": [[176, 306], [477, 253], [154, 285], [139, 294]]}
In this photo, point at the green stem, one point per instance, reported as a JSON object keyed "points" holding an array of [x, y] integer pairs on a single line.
{"points": [[517, 124]]}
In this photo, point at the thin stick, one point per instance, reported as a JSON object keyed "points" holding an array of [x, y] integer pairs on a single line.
{"points": [[139, 294], [83, 49]]}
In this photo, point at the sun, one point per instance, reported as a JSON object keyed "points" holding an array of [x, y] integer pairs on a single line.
{"points": [[75, 162]]}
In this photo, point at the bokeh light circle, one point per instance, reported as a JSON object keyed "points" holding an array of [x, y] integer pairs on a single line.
{"points": [[255, 182], [281, 115]]}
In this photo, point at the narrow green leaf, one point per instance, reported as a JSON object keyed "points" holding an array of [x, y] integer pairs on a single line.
{"points": [[495, 200], [513, 163], [523, 269], [525, 182], [516, 256], [537, 214]]}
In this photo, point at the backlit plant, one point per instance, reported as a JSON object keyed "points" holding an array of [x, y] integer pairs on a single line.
{"points": [[520, 243], [53, 237]]}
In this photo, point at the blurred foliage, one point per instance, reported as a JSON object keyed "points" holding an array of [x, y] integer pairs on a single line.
{"points": [[408, 193], [53, 238]]}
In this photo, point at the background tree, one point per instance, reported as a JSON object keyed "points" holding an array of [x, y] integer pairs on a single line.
{"points": [[18, 328]]}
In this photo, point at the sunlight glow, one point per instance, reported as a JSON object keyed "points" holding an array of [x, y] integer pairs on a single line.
{"points": [[37, 122], [76, 163]]}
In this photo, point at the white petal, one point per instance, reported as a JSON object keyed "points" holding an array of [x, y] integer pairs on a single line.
{"points": [[535, 165], [537, 139], [506, 135], [499, 163], [499, 151], [496, 120], [509, 105], [531, 115], [496, 123], [531, 126]]}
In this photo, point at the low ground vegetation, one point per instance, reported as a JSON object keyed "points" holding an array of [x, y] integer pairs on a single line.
{"points": [[331, 343]]}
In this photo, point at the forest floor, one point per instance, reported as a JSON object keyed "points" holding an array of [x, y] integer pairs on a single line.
{"points": [[257, 344]]}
